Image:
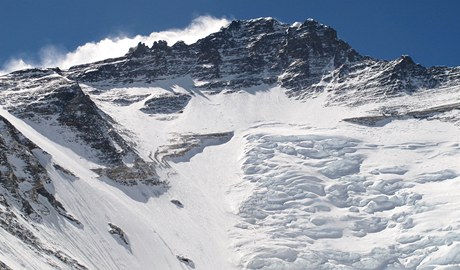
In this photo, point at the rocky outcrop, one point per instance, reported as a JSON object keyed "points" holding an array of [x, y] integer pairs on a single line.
{"points": [[184, 147], [54, 101], [186, 261], [14, 225], [4, 266], [429, 113], [166, 104], [24, 177], [118, 232]]}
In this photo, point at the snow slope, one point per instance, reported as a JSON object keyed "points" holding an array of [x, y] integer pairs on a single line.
{"points": [[294, 188], [354, 165]]}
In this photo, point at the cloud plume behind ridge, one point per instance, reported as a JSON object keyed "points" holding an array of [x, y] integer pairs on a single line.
{"points": [[117, 46]]}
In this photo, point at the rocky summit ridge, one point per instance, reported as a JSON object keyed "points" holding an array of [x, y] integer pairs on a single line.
{"points": [[305, 58], [302, 57]]}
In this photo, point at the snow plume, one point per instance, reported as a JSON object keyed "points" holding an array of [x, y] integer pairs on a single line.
{"points": [[14, 64], [116, 46]]}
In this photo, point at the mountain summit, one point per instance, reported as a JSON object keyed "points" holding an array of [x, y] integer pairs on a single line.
{"points": [[302, 57], [264, 145]]}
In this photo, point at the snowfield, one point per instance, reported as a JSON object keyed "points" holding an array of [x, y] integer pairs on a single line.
{"points": [[256, 180], [346, 200]]}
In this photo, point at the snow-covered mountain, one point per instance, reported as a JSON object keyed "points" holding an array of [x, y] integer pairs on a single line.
{"points": [[262, 146]]}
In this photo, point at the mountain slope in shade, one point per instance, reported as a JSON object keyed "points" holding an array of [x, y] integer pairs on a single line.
{"points": [[262, 146]]}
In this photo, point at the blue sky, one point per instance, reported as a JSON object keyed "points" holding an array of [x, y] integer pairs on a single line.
{"points": [[429, 31]]}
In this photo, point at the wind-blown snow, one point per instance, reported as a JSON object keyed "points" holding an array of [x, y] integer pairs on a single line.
{"points": [[111, 47]]}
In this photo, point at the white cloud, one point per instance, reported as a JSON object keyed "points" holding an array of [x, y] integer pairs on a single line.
{"points": [[117, 46], [14, 64]]}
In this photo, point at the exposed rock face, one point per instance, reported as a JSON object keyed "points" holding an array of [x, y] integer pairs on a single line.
{"points": [[166, 104], [186, 261], [140, 172], [4, 266], [294, 56], [54, 101], [429, 113], [186, 146], [24, 177], [117, 231], [25, 185], [177, 203], [304, 58]]}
